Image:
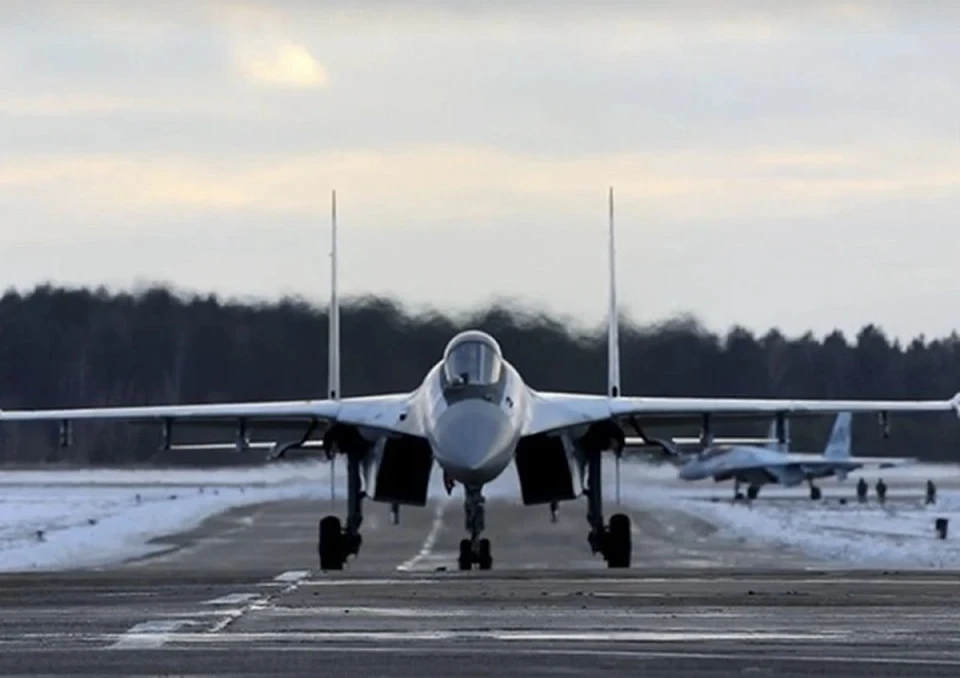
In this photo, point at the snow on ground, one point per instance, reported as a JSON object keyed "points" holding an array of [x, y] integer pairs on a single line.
{"points": [[249, 475], [80, 518], [99, 516], [899, 535]]}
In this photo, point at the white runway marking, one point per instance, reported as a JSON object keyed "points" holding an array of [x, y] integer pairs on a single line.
{"points": [[505, 635], [292, 576], [431, 539], [620, 653], [338, 611], [149, 634], [232, 599], [374, 582], [156, 633]]}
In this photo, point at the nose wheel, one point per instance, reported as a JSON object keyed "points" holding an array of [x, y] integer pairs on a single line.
{"points": [[479, 556]]}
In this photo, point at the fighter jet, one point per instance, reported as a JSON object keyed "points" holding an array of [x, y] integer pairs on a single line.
{"points": [[758, 466], [472, 415]]}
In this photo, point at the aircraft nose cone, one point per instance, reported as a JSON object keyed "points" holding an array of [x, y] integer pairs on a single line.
{"points": [[471, 438]]}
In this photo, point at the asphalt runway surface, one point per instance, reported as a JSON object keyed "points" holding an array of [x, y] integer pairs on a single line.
{"points": [[241, 596]]}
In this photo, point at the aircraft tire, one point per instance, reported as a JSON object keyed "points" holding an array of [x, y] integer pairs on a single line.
{"points": [[815, 493], [484, 559], [619, 542], [465, 560], [330, 547], [752, 492]]}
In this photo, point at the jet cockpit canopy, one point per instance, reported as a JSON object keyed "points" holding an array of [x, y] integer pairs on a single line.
{"points": [[472, 358]]}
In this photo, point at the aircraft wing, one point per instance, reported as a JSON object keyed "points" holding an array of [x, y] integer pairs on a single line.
{"points": [[382, 412], [807, 466], [556, 411], [882, 462]]}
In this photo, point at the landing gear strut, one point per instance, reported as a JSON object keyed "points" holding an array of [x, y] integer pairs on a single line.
{"points": [[737, 494], [612, 540], [336, 543], [474, 550]]}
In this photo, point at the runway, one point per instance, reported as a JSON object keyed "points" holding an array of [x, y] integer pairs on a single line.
{"points": [[241, 596]]}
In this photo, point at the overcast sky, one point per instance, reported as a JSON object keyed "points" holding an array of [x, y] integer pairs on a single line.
{"points": [[783, 167]]}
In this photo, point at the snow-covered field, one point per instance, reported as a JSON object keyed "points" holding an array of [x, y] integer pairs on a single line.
{"points": [[62, 519], [898, 535]]}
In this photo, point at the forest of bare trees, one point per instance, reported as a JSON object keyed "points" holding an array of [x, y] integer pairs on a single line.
{"points": [[83, 347]]}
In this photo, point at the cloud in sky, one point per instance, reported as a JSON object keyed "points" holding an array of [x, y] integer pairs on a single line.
{"points": [[286, 63], [793, 164]]}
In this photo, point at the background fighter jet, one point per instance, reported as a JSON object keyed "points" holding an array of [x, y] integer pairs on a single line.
{"points": [[473, 415], [758, 466]]}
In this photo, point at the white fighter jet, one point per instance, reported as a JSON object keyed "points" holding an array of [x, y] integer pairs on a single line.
{"points": [[473, 415], [758, 466]]}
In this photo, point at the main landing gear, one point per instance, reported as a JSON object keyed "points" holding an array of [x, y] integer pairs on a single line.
{"points": [[613, 540], [753, 491], [815, 493], [336, 543], [474, 550]]}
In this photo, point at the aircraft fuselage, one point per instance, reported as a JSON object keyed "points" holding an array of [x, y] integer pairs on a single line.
{"points": [[473, 428], [758, 466]]}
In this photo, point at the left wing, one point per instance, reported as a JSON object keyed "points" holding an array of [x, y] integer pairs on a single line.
{"points": [[556, 411]]}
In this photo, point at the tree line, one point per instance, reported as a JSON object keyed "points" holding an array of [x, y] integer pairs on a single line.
{"points": [[82, 347]]}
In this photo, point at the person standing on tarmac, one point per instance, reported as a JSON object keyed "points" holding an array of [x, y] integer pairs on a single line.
{"points": [[881, 491], [931, 492], [862, 491]]}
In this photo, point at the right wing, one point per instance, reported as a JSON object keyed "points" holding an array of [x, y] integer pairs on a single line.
{"points": [[806, 458], [387, 413]]}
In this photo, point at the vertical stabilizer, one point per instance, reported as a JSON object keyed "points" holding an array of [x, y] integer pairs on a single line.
{"points": [[333, 366], [613, 329], [774, 443], [838, 445]]}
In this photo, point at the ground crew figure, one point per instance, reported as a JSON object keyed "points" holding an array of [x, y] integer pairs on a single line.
{"points": [[931, 492], [881, 491], [862, 491]]}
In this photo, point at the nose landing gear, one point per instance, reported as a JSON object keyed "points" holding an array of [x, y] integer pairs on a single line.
{"points": [[474, 551]]}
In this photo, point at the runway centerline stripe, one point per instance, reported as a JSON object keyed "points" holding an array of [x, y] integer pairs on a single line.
{"points": [[431, 539]]}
